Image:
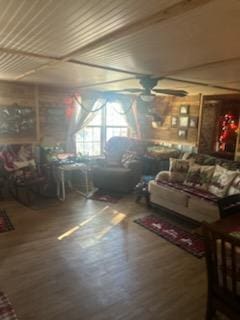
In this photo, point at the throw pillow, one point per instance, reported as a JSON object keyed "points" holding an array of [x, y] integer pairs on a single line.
{"points": [[235, 186], [162, 176], [178, 169], [128, 157], [199, 176], [221, 180]]}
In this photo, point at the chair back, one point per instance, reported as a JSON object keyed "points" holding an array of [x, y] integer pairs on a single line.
{"points": [[117, 146], [223, 266], [229, 205]]}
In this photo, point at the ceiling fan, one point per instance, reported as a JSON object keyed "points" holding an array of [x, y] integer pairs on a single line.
{"points": [[147, 93]]}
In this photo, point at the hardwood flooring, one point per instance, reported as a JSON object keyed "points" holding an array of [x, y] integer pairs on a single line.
{"points": [[88, 260]]}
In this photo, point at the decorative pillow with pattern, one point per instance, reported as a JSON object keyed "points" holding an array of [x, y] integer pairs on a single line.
{"points": [[178, 169], [221, 181], [235, 185], [128, 157], [199, 176]]}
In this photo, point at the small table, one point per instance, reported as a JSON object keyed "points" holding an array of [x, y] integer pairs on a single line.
{"points": [[60, 178]]}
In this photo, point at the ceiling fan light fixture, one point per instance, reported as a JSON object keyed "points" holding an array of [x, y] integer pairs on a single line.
{"points": [[147, 98]]}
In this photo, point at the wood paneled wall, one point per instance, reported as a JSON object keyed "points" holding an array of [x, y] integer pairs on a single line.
{"points": [[51, 126], [52, 120], [41, 99], [166, 108]]}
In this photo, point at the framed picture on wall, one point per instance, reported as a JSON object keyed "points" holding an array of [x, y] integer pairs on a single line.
{"points": [[182, 133], [183, 121], [184, 109], [174, 122], [193, 122]]}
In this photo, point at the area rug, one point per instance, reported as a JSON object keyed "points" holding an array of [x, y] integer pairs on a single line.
{"points": [[5, 223], [107, 197], [6, 309], [192, 243]]}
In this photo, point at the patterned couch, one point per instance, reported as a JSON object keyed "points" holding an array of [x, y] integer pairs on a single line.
{"points": [[193, 185]]}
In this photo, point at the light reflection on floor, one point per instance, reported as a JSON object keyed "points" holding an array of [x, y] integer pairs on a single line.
{"points": [[117, 218]]}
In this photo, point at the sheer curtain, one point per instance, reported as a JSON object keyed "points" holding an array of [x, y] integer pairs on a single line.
{"points": [[81, 118], [129, 109]]}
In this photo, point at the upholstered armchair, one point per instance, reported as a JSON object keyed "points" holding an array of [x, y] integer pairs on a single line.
{"points": [[121, 169]]}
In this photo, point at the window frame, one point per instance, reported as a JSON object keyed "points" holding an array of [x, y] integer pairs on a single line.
{"points": [[103, 130]]}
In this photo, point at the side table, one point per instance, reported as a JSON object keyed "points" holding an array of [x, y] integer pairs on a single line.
{"points": [[60, 178]]}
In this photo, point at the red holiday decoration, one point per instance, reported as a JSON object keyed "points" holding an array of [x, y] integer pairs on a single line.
{"points": [[69, 101], [69, 111], [228, 127]]}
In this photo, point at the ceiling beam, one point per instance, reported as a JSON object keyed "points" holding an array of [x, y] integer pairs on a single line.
{"points": [[137, 74], [158, 17], [90, 85], [93, 65], [55, 60], [202, 65], [58, 59], [28, 54], [202, 84]]}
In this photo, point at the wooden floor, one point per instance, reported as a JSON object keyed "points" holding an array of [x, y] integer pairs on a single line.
{"points": [[88, 260]]}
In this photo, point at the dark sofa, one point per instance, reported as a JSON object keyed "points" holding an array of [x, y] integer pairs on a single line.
{"points": [[114, 175]]}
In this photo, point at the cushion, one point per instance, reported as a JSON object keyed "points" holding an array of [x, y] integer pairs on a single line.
{"points": [[127, 157], [162, 176], [178, 169], [111, 170], [221, 180], [199, 176], [204, 159], [202, 194], [24, 164], [235, 185]]}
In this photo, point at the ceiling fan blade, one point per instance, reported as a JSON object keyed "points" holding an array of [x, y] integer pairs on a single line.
{"points": [[177, 93], [131, 90]]}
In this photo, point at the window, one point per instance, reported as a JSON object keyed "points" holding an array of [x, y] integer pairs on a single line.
{"points": [[107, 122]]}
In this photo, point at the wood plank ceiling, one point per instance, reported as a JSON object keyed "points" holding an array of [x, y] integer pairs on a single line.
{"points": [[193, 44]]}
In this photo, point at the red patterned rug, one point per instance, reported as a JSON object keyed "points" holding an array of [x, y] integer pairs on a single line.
{"points": [[107, 197], [192, 243], [5, 223], [6, 309]]}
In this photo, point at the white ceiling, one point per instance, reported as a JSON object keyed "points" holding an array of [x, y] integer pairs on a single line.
{"points": [[196, 40]]}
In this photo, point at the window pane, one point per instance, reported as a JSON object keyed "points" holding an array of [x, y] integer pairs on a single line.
{"points": [[88, 141], [114, 116], [89, 134], [97, 120], [115, 131]]}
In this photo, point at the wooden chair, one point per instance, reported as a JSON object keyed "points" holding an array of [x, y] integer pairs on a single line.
{"points": [[229, 205], [24, 186], [223, 270]]}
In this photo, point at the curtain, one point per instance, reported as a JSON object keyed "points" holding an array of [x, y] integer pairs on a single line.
{"points": [[129, 109], [81, 118]]}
